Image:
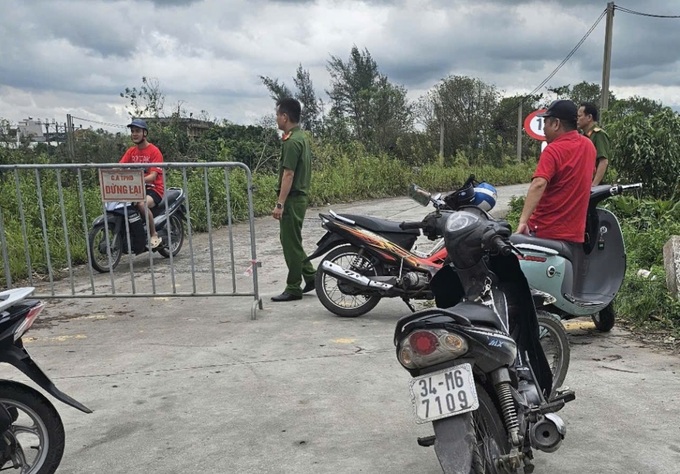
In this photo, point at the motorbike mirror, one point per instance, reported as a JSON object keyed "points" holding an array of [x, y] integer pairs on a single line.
{"points": [[419, 195]]}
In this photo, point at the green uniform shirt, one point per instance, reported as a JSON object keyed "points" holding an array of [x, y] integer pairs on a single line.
{"points": [[601, 141], [296, 155]]}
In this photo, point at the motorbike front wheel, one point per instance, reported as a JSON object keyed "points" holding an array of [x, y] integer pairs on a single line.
{"points": [[605, 318], [176, 230], [35, 440], [98, 249], [555, 344], [343, 298]]}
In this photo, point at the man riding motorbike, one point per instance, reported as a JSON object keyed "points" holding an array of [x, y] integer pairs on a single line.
{"points": [[145, 152]]}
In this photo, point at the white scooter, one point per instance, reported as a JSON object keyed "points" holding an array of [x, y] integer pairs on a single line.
{"points": [[583, 278]]}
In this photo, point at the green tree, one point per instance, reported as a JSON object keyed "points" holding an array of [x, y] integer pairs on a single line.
{"points": [[375, 110], [310, 116], [147, 101], [277, 90], [463, 107], [581, 92], [503, 123], [621, 108]]}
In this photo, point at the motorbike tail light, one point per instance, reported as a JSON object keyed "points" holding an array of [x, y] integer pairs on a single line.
{"points": [[406, 358], [423, 342], [28, 320], [424, 348], [454, 343]]}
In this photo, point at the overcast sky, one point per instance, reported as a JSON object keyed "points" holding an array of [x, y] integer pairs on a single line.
{"points": [[76, 56]]}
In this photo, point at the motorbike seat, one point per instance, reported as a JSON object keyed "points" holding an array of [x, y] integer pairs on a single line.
{"points": [[378, 225], [478, 314], [563, 248], [171, 195]]}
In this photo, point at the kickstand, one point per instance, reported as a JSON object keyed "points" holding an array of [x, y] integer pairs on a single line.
{"points": [[410, 306]]}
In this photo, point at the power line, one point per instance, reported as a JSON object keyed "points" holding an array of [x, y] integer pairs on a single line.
{"points": [[108, 124], [633, 12], [571, 53]]}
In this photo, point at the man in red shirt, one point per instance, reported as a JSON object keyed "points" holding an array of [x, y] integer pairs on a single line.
{"points": [[557, 200], [145, 152]]}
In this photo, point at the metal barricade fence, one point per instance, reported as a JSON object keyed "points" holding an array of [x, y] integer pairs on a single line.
{"points": [[52, 208]]}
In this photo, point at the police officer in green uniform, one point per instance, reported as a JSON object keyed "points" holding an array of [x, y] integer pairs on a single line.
{"points": [[295, 172], [587, 122]]}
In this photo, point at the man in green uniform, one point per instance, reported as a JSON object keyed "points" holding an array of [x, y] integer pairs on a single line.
{"points": [[587, 122], [295, 172]]}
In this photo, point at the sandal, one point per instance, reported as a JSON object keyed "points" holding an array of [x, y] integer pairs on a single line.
{"points": [[155, 241]]}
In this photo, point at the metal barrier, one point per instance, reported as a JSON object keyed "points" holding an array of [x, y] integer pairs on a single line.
{"points": [[52, 240]]}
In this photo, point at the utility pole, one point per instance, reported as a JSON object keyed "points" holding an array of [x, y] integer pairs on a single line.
{"points": [[607, 62], [519, 133], [441, 143]]}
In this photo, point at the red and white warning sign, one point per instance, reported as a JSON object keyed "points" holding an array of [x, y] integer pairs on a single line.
{"points": [[533, 125]]}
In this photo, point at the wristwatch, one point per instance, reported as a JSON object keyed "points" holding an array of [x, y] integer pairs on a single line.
{"points": [[279, 205]]}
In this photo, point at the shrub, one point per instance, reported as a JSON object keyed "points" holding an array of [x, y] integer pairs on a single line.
{"points": [[646, 149]]}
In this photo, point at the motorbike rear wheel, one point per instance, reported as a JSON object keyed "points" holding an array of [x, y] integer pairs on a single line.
{"points": [[176, 230], [555, 345], [338, 297], [37, 429], [98, 252], [490, 434], [604, 319]]}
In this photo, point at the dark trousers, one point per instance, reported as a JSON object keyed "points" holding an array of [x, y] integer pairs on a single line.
{"points": [[291, 241]]}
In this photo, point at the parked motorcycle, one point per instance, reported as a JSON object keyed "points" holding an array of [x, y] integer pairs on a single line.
{"points": [[32, 433], [123, 230], [367, 259], [583, 279], [480, 375]]}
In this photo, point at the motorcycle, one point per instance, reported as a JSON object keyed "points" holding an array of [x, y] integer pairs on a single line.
{"points": [[123, 230], [31, 430], [367, 259], [479, 373], [582, 279]]}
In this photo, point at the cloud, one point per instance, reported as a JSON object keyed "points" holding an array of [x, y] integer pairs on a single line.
{"points": [[78, 55]]}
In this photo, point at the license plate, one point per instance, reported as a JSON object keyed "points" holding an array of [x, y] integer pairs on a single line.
{"points": [[448, 392]]}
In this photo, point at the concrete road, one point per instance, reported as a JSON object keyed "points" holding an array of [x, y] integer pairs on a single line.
{"points": [[184, 385]]}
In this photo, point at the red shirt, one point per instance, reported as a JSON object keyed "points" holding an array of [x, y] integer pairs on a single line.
{"points": [[567, 164], [148, 154]]}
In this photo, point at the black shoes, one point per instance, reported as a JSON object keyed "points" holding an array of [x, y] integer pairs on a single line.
{"points": [[286, 297], [309, 286]]}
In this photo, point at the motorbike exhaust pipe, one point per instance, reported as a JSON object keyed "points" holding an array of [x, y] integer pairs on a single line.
{"points": [[548, 433], [353, 277]]}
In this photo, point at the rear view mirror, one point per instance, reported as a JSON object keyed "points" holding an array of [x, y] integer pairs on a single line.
{"points": [[419, 195]]}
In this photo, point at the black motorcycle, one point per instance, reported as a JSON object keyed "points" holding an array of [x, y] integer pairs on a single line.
{"points": [[31, 431], [480, 375], [123, 230]]}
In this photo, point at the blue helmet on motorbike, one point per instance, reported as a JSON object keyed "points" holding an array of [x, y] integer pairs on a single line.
{"points": [[485, 196]]}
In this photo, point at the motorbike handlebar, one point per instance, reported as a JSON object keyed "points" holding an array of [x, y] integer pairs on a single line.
{"points": [[412, 225], [620, 188], [503, 247]]}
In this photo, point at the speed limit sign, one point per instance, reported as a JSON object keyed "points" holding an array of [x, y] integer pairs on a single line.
{"points": [[533, 125]]}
